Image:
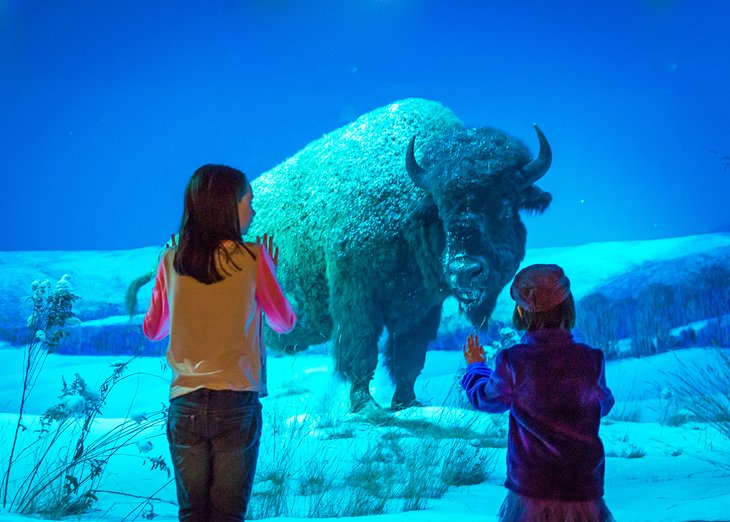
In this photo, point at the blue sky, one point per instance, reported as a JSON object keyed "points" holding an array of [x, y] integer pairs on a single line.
{"points": [[106, 108]]}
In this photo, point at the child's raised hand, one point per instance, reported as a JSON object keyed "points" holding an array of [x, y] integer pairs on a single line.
{"points": [[268, 244], [473, 351]]}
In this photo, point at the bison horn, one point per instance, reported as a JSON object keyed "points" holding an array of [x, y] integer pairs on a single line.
{"points": [[415, 171], [540, 165]]}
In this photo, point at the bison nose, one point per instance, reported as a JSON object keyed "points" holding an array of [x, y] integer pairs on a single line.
{"points": [[464, 269]]}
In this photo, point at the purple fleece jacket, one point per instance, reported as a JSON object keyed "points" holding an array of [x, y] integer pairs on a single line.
{"points": [[555, 390]]}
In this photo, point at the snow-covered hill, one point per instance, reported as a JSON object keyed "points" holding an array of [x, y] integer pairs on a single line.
{"points": [[101, 279]]}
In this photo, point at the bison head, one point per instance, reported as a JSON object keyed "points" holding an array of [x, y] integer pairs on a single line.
{"points": [[480, 180]]}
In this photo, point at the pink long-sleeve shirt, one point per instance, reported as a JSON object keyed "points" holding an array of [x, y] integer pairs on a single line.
{"points": [[216, 338]]}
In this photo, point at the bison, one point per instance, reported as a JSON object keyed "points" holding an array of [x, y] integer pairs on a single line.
{"points": [[380, 221]]}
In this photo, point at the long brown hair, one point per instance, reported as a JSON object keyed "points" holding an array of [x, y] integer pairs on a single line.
{"points": [[210, 216]]}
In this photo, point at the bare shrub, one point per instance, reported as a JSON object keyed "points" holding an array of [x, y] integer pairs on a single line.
{"points": [[63, 463], [389, 463], [52, 310], [655, 311], [715, 285], [598, 320], [704, 391], [68, 463], [465, 464]]}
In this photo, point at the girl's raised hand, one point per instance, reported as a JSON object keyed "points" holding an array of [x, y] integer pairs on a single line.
{"points": [[473, 351], [268, 244]]}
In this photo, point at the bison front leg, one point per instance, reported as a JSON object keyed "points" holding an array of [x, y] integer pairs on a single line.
{"points": [[355, 349], [357, 321], [405, 355]]}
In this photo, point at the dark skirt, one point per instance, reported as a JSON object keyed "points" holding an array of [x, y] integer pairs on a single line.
{"points": [[517, 508]]}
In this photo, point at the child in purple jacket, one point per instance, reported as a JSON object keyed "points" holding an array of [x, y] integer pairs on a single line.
{"points": [[555, 390]]}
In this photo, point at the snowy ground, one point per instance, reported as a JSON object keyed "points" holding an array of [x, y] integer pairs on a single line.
{"points": [[654, 471], [662, 465]]}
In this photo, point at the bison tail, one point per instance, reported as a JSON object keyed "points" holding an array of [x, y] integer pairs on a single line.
{"points": [[130, 301]]}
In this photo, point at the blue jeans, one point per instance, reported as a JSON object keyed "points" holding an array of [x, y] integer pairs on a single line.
{"points": [[214, 440]]}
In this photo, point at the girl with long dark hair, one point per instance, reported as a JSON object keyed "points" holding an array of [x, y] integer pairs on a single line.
{"points": [[210, 291]]}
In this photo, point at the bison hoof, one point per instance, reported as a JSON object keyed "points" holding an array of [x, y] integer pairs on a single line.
{"points": [[361, 399], [293, 349], [397, 405]]}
